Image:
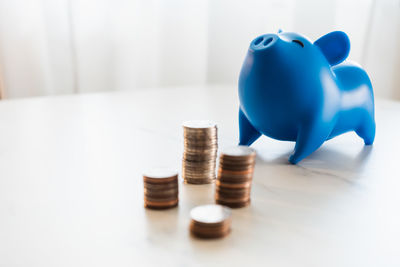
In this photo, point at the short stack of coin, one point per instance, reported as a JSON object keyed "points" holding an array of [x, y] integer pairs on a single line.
{"points": [[200, 152], [160, 188], [235, 174], [210, 221]]}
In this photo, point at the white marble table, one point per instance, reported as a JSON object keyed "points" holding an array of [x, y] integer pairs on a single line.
{"points": [[71, 191]]}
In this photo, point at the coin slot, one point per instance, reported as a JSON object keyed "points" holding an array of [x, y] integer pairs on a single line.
{"points": [[258, 40], [298, 42], [266, 42]]}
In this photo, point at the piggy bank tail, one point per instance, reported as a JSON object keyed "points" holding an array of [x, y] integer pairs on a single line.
{"points": [[357, 105]]}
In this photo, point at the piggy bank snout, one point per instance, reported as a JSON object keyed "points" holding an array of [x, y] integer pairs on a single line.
{"points": [[264, 42]]}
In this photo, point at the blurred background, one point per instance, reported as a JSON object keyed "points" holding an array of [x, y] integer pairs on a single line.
{"points": [[53, 47]]}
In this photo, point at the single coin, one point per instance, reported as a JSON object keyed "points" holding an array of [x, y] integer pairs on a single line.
{"points": [[233, 205], [231, 163], [161, 193], [238, 159], [198, 158], [222, 184], [232, 191], [161, 187], [236, 168], [234, 180], [204, 136], [212, 226], [198, 181], [199, 124], [160, 200], [159, 181], [232, 197], [200, 132], [236, 164], [207, 168], [163, 204], [235, 174], [239, 151], [201, 151], [199, 146], [210, 213], [210, 229], [200, 163], [160, 173], [198, 139], [200, 231], [199, 175], [210, 132], [231, 200], [199, 170], [217, 232], [237, 181], [206, 176], [210, 235]]}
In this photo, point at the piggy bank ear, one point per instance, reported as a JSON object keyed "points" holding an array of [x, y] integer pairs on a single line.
{"points": [[335, 46]]}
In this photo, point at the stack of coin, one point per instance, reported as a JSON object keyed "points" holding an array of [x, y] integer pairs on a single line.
{"points": [[160, 188], [235, 173], [200, 152], [210, 221]]}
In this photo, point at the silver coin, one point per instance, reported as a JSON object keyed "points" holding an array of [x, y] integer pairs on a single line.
{"points": [[160, 173], [199, 124], [238, 151], [210, 213], [210, 132]]}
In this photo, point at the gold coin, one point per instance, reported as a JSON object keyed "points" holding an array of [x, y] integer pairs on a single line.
{"points": [[160, 205], [232, 204]]}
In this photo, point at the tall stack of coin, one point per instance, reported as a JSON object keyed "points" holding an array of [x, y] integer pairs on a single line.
{"points": [[235, 173], [160, 188], [210, 221], [200, 152]]}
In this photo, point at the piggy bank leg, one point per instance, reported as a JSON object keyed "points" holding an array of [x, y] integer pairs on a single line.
{"points": [[247, 133], [309, 138], [367, 130]]}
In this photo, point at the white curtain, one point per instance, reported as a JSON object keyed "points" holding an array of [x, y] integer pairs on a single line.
{"points": [[52, 47]]}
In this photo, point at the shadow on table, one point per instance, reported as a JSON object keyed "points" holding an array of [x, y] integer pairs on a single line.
{"points": [[327, 158], [163, 222]]}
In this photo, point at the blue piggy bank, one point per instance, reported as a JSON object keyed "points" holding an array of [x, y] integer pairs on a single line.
{"points": [[292, 89]]}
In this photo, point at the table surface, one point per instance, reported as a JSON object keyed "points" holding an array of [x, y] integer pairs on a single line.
{"points": [[71, 191]]}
